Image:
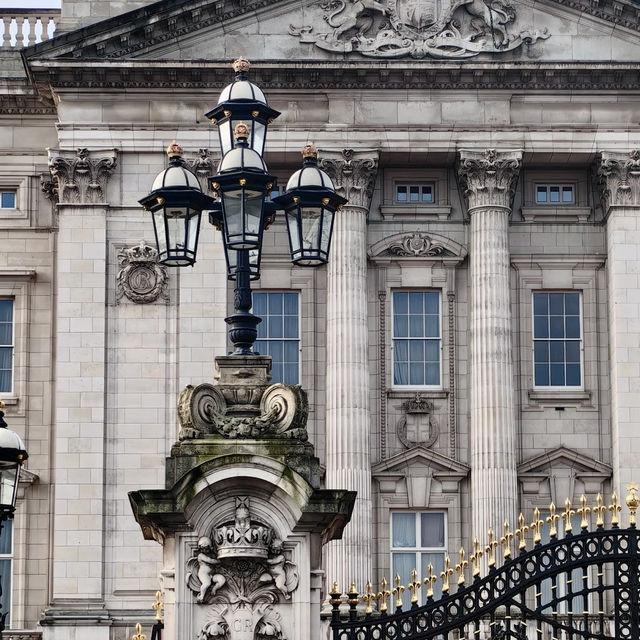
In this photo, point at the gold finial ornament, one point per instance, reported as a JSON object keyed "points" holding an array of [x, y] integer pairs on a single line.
{"points": [[446, 574], [461, 566], [583, 511], [383, 595], [309, 150], [521, 533], [241, 65], [536, 526], [567, 514], [615, 509], [158, 606], [599, 510], [1, 405], [414, 586], [633, 502], [368, 598], [475, 558], [397, 591], [241, 130], [174, 150], [506, 539], [336, 595], [430, 580], [139, 635], [552, 519], [490, 549]]}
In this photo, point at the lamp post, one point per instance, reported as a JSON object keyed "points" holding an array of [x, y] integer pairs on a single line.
{"points": [[239, 205], [12, 456]]}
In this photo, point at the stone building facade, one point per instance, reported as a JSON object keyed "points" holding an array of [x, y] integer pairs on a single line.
{"points": [[470, 351]]}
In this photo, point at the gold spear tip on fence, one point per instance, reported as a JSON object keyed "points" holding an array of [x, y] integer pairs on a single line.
{"points": [[158, 606], [139, 635]]}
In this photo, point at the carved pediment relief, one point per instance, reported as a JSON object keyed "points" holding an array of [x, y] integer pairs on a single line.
{"points": [[417, 244]]}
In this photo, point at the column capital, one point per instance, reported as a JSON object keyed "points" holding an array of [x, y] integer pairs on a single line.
{"points": [[353, 173], [619, 179], [81, 176], [489, 177]]}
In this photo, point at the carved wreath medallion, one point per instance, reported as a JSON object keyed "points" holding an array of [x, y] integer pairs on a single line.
{"points": [[140, 278]]}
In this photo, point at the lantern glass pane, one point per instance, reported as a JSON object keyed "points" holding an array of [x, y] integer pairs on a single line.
{"points": [[192, 231], [292, 227], [176, 224], [158, 225], [232, 201], [259, 134], [8, 478], [327, 224], [254, 201], [310, 220], [226, 138]]}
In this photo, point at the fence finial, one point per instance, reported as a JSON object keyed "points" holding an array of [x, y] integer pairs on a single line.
{"points": [[583, 511], [633, 502]]}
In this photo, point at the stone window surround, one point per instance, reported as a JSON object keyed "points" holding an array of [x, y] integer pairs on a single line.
{"points": [[440, 209], [559, 273], [532, 211], [15, 284], [18, 216]]}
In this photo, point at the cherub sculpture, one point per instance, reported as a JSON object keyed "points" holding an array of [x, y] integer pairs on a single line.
{"points": [[204, 565], [282, 572]]}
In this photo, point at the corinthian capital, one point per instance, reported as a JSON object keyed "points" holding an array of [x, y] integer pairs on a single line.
{"points": [[619, 179], [81, 176], [353, 174], [489, 177]]}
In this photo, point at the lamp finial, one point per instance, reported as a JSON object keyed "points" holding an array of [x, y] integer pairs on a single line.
{"points": [[174, 150], [309, 150], [241, 65], [241, 131]]}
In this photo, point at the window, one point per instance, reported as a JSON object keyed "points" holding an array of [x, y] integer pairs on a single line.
{"points": [[7, 199], [279, 333], [555, 194], [416, 338], [414, 193], [6, 553], [557, 339], [6, 346], [418, 539]]}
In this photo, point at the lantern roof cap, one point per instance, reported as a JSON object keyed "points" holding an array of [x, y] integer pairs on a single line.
{"points": [[241, 88], [176, 175], [242, 158], [12, 448], [310, 176]]}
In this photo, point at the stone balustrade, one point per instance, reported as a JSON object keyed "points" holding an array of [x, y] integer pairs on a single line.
{"points": [[24, 27]]}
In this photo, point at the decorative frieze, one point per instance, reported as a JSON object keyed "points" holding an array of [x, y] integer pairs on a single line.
{"points": [[417, 245], [140, 278], [619, 179], [353, 173], [81, 177], [489, 177]]}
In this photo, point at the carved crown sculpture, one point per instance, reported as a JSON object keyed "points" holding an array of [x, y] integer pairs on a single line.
{"points": [[417, 405], [242, 538]]}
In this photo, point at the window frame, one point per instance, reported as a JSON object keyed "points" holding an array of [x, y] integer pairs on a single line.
{"points": [[298, 293], [440, 339], [14, 192], [438, 209], [561, 186], [551, 387], [414, 183], [12, 346]]}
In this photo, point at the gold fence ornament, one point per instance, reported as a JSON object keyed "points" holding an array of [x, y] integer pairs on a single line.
{"points": [[615, 509], [490, 549], [336, 595], [383, 595], [430, 580], [461, 566], [583, 511], [397, 591], [475, 558], [536, 526], [158, 606], [352, 595], [567, 514], [446, 574], [599, 510], [633, 502], [521, 533], [552, 519], [139, 635], [368, 598], [414, 585], [506, 539]]}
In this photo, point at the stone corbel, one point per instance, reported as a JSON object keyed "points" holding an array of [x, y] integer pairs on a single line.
{"points": [[489, 178], [81, 176], [619, 179], [353, 173]]}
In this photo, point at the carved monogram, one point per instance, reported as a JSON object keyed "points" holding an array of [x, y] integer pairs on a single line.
{"points": [[353, 174], [416, 244], [416, 427], [419, 28], [81, 177], [140, 278], [619, 178]]}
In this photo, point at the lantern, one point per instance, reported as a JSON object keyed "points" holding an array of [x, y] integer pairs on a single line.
{"points": [[12, 456], [310, 203]]}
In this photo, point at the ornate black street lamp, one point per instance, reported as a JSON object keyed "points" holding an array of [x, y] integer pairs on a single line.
{"points": [[12, 456], [240, 206]]}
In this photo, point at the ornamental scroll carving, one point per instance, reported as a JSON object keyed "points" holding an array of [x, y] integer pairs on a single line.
{"points": [[619, 179], [489, 177], [353, 173], [240, 570], [140, 278], [416, 245], [446, 29], [81, 177]]}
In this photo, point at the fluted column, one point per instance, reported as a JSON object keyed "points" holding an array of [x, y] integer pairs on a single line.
{"points": [[620, 189], [489, 180], [347, 418]]}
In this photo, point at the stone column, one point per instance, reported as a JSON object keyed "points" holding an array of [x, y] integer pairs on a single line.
{"points": [[620, 184], [489, 178], [348, 438]]}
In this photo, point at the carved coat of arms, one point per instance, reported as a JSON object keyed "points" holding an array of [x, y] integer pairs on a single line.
{"points": [[419, 28]]}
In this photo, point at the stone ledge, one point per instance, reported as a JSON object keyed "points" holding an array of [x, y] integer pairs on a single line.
{"points": [[556, 214], [420, 211]]}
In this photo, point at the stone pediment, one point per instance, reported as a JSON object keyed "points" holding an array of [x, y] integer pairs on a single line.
{"points": [[562, 457], [420, 457], [182, 43]]}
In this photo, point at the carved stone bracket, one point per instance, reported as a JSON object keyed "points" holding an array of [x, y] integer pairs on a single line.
{"points": [[619, 179], [353, 173], [203, 165], [81, 177], [418, 412], [489, 177], [140, 278]]}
